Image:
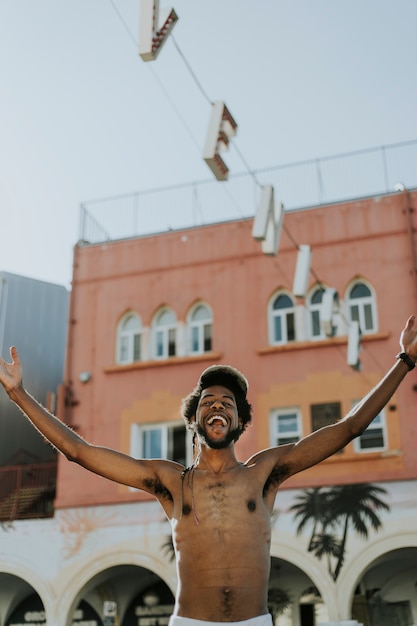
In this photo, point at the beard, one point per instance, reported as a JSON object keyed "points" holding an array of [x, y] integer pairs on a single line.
{"points": [[218, 444]]}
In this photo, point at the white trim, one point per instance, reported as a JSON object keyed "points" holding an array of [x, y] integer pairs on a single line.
{"points": [[282, 314], [164, 331], [136, 439], [274, 420], [129, 336], [361, 303], [200, 326]]}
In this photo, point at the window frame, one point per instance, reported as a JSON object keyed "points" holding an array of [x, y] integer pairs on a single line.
{"points": [[130, 336], [200, 326], [282, 314], [324, 414], [382, 426], [166, 431], [275, 415], [360, 303], [166, 332], [312, 308]]}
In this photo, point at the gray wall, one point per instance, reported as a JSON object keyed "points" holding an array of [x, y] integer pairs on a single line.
{"points": [[34, 318]]}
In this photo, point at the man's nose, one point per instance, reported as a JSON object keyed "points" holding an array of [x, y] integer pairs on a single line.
{"points": [[217, 403]]}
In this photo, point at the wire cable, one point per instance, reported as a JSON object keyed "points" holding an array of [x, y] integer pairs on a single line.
{"points": [[195, 142], [188, 66]]}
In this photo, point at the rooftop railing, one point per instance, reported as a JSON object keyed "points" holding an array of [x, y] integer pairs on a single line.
{"points": [[306, 184]]}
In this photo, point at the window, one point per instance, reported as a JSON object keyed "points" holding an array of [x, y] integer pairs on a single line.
{"points": [[159, 441], [129, 339], [314, 308], [200, 329], [165, 334], [285, 426], [282, 319], [361, 307], [324, 415], [373, 437]]}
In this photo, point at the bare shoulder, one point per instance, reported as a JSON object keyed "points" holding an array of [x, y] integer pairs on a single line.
{"points": [[156, 476], [166, 475], [272, 465], [269, 456]]}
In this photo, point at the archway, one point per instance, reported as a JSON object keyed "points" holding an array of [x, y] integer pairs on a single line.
{"points": [[151, 607], [141, 597], [386, 593], [293, 599], [20, 603]]}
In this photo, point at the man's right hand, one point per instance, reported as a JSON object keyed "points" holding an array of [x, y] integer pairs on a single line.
{"points": [[11, 373]]}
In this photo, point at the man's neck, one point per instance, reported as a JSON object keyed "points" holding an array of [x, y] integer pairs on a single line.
{"points": [[217, 461]]}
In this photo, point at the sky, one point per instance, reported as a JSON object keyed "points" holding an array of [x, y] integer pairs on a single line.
{"points": [[84, 117]]}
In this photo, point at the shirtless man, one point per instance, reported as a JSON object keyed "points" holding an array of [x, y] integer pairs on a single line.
{"points": [[219, 509]]}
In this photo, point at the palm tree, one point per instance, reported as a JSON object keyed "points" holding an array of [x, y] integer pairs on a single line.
{"points": [[325, 544], [311, 508], [168, 548], [278, 601], [355, 505], [340, 506]]}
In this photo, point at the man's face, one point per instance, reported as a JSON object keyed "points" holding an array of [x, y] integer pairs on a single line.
{"points": [[217, 420]]}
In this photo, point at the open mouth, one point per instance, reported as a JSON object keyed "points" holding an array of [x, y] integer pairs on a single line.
{"points": [[217, 420]]}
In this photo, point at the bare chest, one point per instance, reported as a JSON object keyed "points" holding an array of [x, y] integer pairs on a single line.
{"points": [[219, 498]]}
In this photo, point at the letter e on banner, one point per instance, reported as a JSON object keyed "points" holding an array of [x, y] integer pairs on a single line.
{"points": [[222, 127]]}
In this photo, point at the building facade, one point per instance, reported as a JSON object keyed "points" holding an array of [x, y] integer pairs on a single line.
{"points": [[33, 316], [147, 315]]}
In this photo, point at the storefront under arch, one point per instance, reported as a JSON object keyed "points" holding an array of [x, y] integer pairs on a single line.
{"points": [[20, 602]]}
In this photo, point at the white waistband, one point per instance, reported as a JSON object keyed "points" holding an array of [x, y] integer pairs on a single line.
{"points": [[261, 620]]}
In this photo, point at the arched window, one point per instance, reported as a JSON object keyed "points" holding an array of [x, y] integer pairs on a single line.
{"points": [[129, 339], [200, 329], [165, 334], [315, 330], [361, 307], [282, 319]]}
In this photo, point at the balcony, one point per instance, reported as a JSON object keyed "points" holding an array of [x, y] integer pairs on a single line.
{"points": [[27, 491]]}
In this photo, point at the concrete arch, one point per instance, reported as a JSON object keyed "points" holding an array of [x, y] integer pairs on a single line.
{"points": [[288, 549], [18, 568], [355, 568], [87, 569]]}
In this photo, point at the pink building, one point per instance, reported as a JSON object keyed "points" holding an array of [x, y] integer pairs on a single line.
{"points": [[149, 313]]}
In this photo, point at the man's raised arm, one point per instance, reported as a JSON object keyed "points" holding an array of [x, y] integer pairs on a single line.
{"points": [[104, 461], [326, 441]]}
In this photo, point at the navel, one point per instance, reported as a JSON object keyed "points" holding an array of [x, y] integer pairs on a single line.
{"points": [[227, 608], [252, 505]]}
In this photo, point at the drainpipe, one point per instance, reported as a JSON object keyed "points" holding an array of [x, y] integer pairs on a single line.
{"points": [[65, 393], [408, 210]]}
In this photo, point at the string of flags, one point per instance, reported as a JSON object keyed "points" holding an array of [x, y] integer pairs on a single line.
{"points": [[155, 28]]}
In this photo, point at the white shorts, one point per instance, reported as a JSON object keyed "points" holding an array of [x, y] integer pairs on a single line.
{"points": [[261, 620]]}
